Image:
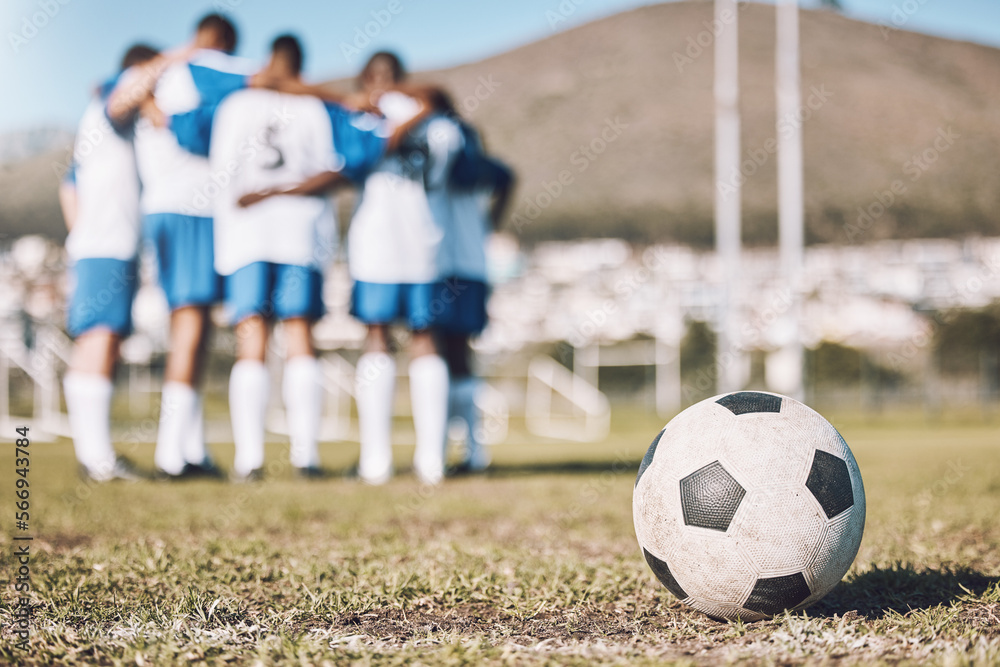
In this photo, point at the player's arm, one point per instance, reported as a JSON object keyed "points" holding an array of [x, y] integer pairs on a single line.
{"points": [[401, 131], [132, 92], [319, 184], [504, 182], [321, 91], [67, 199], [424, 92], [297, 87]]}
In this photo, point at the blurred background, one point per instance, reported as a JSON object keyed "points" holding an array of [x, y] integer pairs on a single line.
{"points": [[608, 292]]}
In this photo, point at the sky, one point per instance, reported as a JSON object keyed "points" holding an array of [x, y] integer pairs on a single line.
{"points": [[54, 51]]}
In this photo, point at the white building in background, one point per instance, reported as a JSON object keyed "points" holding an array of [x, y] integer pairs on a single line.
{"points": [[869, 297], [606, 291]]}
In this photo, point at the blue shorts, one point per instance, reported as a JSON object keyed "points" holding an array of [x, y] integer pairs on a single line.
{"points": [[185, 256], [103, 290], [385, 303], [459, 306], [274, 291]]}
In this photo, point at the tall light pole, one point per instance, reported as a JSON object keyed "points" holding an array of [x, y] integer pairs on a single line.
{"points": [[729, 354], [790, 193]]}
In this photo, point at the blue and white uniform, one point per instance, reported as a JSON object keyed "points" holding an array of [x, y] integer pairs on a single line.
{"points": [[273, 253], [393, 239], [179, 186], [464, 214], [103, 244]]}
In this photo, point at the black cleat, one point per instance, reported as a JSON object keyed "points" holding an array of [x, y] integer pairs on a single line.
{"points": [[311, 473], [464, 469], [206, 469], [191, 471]]}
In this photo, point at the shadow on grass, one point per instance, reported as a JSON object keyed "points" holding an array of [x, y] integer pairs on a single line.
{"points": [[901, 588], [627, 468]]}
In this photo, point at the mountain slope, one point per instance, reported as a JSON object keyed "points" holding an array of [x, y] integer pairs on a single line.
{"points": [[615, 85], [29, 202], [879, 101]]}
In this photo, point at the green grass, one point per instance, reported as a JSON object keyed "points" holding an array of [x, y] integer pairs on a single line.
{"points": [[535, 564]]}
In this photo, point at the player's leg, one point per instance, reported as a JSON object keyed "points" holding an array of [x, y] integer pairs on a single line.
{"points": [[376, 305], [88, 389], [464, 316], [298, 298], [205, 289], [462, 390], [428, 387], [249, 392], [197, 461], [182, 431], [99, 315], [302, 389], [374, 391], [185, 254], [248, 297], [179, 403]]}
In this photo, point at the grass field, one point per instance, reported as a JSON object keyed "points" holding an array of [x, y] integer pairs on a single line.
{"points": [[536, 563]]}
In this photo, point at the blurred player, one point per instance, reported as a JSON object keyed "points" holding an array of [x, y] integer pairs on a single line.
{"points": [[100, 201], [468, 203], [272, 255], [178, 189], [392, 254]]}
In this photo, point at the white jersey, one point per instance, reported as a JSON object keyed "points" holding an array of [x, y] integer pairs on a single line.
{"points": [[107, 186], [462, 214], [263, 139], [174, 179], [467, 230], [393, 236]]}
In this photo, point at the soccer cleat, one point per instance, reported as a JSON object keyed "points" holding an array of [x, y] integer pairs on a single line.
{"points": [[122, 471], [465, 469], [311, 473], [206, 469], [255, 475]]}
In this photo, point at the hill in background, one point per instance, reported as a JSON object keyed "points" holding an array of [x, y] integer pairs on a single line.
{"points": [[637, 91], [879, 101]]}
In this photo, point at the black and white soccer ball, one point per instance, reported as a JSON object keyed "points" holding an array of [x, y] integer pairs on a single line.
{"points": [[748, 504]]}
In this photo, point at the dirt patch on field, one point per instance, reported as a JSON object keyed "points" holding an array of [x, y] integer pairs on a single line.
{"points": [[486, 620], [983, 617]]}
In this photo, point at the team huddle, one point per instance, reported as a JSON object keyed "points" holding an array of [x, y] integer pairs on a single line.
{"points": [[225, 171]]}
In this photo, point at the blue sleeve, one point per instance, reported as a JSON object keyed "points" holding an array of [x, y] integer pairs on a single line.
{"points": [[497, 175], [470, 135], [359, 145], [70, 176], [214, 85], [193, 129]]}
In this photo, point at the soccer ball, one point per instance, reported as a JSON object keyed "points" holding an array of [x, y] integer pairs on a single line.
{"points": [[748, 504]]}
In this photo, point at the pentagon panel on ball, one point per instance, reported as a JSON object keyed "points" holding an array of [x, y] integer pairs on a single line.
{"points": [[749, 504]]}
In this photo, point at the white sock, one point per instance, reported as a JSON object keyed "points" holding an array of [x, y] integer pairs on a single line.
{"points": [[374, 390], [176, 413], [303, 393], [462, 404], [429, 398], [88, 401], [249, 387], [194, 441]]}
